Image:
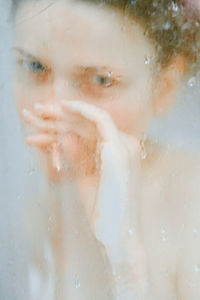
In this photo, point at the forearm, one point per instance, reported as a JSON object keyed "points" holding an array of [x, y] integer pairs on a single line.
{"points": [[129, 271], [126, 286]]}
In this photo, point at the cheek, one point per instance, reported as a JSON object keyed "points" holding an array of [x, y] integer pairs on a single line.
{"points": [[128, 117], [26, 96]]}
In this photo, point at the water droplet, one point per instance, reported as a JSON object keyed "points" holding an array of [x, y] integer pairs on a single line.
{"points": [[133, 2], [31, 171], [143, 155], [195, 231], [147, 60], [155, 4], [164, 234], [116, 276], [110, 74], [197, 268], [163, 231], [197, 24], [77, 283], [166, 25], [192, 82], [142, 145], [174, 7], [131, 231]]}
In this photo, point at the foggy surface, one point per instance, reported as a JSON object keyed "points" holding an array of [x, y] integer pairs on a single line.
{"points": [[19, 176]]}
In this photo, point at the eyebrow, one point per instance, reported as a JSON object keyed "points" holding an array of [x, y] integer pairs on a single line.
{"points": [[78, 68], [26, 54], [104, 69]]}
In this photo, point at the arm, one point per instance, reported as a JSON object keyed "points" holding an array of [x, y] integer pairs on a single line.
{"points": [[118, 228], [130, 280], [113, 211], [115, 218], [41, 264]]}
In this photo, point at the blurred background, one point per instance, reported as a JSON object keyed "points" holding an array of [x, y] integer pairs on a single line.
{"points": [[18, 175]]}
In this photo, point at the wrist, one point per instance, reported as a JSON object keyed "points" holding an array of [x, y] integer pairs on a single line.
{"points": [[129, 269]]}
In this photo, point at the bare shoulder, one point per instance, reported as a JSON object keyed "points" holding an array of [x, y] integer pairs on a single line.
{"points": [[171, 209], [177, 171], [182, 175]]}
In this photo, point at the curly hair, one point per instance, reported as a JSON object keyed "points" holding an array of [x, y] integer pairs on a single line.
{"points": [[173, 28]]}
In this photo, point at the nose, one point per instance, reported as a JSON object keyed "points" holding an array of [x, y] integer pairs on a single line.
{"points": [[60, 89]]}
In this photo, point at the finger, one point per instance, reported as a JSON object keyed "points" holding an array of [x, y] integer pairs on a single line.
{"points": [[48, 111], [77, 124], [102, 119], [55, 112], [58, 127], [43, 125], [56, 157], [41, 140], [76, 121]]}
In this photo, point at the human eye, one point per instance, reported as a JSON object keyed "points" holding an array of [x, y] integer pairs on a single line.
{"points": [[34, 66], [34, 69], [96, 82], [103, 80]]}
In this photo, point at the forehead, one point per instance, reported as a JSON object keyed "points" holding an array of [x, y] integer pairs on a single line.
{"points": [[75, 30]]}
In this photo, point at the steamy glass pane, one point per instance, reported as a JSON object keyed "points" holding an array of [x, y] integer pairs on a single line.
{"points": [[99, 149]]}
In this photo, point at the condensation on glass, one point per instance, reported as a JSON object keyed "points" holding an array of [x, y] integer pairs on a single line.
{"points": [[99, 150]]}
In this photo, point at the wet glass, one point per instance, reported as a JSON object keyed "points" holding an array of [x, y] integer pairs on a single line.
{"points": [[99, 144]]}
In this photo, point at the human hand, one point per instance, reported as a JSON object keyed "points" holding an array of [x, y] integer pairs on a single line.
{"points": [[114, 155], [67, 140], [114, 214], [110, 154], [109, 195]]}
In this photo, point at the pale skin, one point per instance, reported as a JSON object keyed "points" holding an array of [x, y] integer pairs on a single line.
{"points": [[84, 88]]}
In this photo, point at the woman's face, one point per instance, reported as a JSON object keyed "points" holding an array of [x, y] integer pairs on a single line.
{"points": [[76, 51]]}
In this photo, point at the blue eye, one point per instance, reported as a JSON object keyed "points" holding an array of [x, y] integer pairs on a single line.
{"points": [[34, 66], [103, 80]]}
